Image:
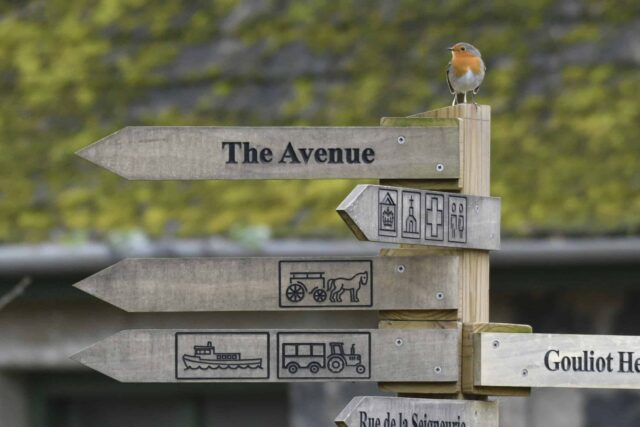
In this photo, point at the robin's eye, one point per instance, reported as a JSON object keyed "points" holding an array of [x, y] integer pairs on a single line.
{"points": [[462, 48]]}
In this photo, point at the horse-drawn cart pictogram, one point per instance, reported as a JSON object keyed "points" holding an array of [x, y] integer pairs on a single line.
{"points": [[314, 283]]}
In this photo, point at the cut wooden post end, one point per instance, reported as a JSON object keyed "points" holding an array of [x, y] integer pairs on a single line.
{"points": [[469, 359]]}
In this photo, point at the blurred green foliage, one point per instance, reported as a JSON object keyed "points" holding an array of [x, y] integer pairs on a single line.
{"points": [[565, 158]]}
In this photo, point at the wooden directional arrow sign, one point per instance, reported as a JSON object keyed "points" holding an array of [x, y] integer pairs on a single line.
{"points": [[269, 284], [552, 360], [430, 151], [404, 215], [425, 355], [366, 411]]}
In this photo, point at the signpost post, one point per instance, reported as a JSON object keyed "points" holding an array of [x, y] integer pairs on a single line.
{"points": [[475, 122], [422, 294]]}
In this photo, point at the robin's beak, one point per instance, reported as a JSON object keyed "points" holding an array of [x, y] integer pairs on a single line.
{"points": [[450, 49]]}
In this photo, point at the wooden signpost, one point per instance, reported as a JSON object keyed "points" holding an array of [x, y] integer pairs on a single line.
{"points": [[276, 355], [556, 360], [417, 217], [366, 411], [272, 284], [431, 150], [432, 292]]}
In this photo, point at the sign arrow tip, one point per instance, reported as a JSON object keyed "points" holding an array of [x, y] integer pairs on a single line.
{"points": [[93, 357], [348, 208], [103, 285], [105, 152], [343, 417]]}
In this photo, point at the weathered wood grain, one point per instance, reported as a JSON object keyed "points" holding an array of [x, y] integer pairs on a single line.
{"points": [[475, 152], [192, 153], [277, 355], [418, 217], [416, 388], [556, 360], [468, 358], [272, 284], [474, 264], [393, 411]]}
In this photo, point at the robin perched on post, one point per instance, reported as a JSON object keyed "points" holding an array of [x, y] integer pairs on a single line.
{"points": [[465, 72]]}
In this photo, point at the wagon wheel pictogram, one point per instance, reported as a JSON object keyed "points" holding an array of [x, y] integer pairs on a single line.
{"points": [[319, 295], [295, 292]]}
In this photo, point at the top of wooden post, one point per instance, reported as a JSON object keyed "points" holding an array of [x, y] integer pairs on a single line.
{"points": [[460, 111]]}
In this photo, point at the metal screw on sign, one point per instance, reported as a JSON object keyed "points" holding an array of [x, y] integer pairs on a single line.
{"points": [[525, 372], [437, 369], [439, 167], [399, 342], [400, 268], [401, 140], [495, 344], [440, 296]]}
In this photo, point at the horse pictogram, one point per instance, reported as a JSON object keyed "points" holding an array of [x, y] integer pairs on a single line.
{"points": [[340, 285]]}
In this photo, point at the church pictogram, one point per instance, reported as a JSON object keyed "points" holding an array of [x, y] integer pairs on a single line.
{"points": [[410, 224], [411, 214]]}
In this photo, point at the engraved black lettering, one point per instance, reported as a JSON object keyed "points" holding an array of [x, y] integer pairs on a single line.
{"points": [[366, 421], [231, 158], [552, 366], [290, 155], [610, 362], [306, 154], [388, 422], [250, 154], [266, 155], [352, 155], [601, 364], [577, 364], [321, 155], [368, 155], [335, 155], [626, 365]]}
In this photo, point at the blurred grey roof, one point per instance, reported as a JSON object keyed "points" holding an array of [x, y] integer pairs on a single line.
{"points": [[61, 259]]}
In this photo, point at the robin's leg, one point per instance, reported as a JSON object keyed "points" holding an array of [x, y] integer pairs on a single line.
{"points": [[473, 99], [455, 98], [465, 97]]}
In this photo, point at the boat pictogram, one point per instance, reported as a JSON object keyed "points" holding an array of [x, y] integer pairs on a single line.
{"points": [[205, 357]]}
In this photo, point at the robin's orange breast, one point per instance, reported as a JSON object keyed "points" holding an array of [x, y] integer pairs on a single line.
{"points": [[462, 64]]}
